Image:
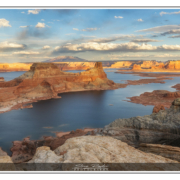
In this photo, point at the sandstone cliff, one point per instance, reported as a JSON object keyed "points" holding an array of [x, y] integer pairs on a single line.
{"points": [[45, 81]]}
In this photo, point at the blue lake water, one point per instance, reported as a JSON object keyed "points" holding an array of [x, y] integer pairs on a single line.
{"points": [[75, 110]]}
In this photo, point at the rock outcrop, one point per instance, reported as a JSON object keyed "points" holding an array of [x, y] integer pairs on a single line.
{"points": [[158, 108], [6, 163], [157, 128], [46, 81], [8, 67], [100, 150], [23, 151], [1, 79], [155, 98], [136, 67], [166, 151]]}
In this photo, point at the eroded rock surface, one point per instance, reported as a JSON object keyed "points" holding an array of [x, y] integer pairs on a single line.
{"points": [[46, 81], [100, 149], [6, 163], [159, 128]]}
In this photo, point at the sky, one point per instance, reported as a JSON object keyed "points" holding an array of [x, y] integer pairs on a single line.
{"points": [[35, 35]]}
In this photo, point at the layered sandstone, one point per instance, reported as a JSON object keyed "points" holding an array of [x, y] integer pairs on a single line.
{"points": [[106, 152], [46, 81], [155, 98], [157, 128], [166, 151], [8, 67], [136, 67]]}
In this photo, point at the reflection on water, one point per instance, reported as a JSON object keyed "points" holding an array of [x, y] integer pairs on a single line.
{"points": [[76, 110]]}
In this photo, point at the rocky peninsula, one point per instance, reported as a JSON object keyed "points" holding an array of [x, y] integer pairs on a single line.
{"points": [[46, 81]]}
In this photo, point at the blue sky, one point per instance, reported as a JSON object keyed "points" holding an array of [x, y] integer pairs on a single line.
{"points": [[31, 35]]}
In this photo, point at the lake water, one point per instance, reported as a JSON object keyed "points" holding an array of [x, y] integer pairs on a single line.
{"points": [[75, 110]]}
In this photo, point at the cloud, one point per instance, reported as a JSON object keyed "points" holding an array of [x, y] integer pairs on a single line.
{"points": [[160, 28], [178, 36], [75, 29], [140, 20], [42, 20], [46, 47], [26, 53], [87, 29], [162, 13], [4, 23], [116, 57], [120, 17], [35, 11], [33, 32], [93, 46], [23, 12], [115, 38], [10, 46], [40, 25], [144, 40], [23, 26], [173, 31], [112, 47]]}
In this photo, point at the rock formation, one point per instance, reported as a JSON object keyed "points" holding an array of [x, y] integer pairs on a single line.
{"points": [[166, 151], [173, 65], [1, 79], [23, 151], [158, 128], [6, 163], [46, 81], [8, 67], [157, 108], [136, 67], [155, 98], [98, 149]]}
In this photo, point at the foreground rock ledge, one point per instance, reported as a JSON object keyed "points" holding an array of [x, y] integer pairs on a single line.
{"points": [[46, 81], [98, 149]]}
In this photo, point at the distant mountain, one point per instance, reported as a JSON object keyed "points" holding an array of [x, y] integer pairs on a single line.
{"points": [[66, 59]]}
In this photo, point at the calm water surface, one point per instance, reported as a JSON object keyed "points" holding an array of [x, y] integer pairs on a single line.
{"points": [[75, 110]]}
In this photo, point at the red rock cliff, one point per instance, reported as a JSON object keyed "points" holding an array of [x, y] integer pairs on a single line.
{"points": [[45, 81]]}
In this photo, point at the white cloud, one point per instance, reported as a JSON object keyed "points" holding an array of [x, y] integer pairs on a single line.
{"points": [[23, 26], [116, 57], [42, 20], [75, 29], [46, 47], [26, 53], [144, 40], [160, 28], [35, 11], [129, 47], [7, 45], [93, 46], [140, 20], [120, 17], [115, 38], [4, 23], [162, 13], [87, 29], [23, 12], [40, 25]]}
